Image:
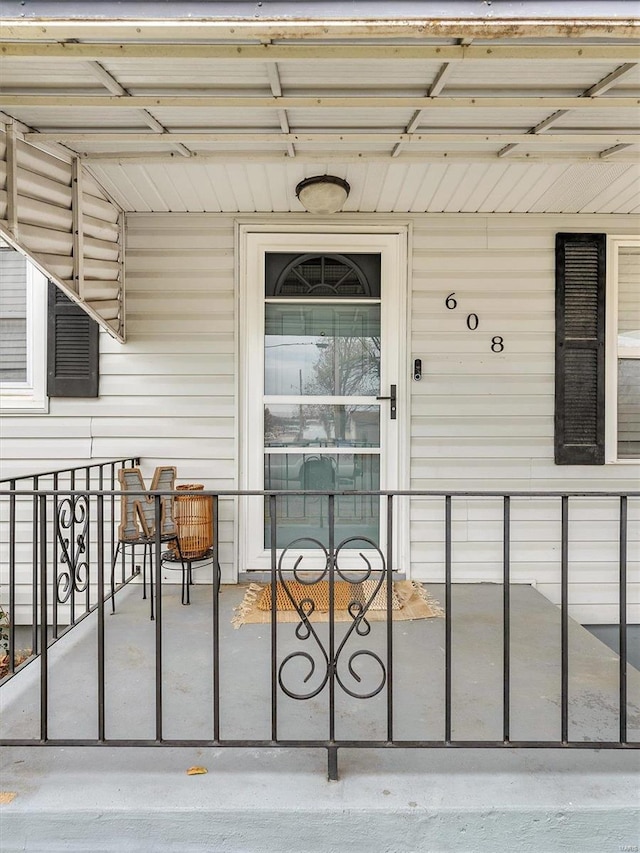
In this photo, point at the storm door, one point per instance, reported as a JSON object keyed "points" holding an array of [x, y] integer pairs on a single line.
{"points": [[322, 407]]}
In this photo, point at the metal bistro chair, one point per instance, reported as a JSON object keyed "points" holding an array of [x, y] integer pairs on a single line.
{"points": [[137, 521]]}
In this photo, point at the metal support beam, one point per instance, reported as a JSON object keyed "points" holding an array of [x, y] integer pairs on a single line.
{"points": [[332, 138], [278, 155], [12, 180], [604, 84], [434, 90], [276, 91], [609, 152], [441, 78], [617, 20], [140, 102], [86, 51], [118, 90], [107, 79], [610, 80]]}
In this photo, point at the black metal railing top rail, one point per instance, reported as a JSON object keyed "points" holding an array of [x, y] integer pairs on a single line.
{"points": [[320, 664], [82, 475]]}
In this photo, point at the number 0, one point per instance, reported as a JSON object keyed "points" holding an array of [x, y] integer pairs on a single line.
{"points": [[472, 322]]}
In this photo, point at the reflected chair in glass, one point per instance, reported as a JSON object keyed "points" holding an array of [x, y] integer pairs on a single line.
{"points": [[318, 474], [138, 521]]}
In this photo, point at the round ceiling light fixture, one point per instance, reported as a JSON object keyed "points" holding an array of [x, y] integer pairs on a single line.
{"points": [[323, 193]]}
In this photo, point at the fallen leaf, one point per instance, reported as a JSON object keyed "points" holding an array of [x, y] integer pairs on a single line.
{"points": [[196, 771], [7, 797]]}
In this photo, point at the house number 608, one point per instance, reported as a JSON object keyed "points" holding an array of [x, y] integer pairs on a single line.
{"points": [[473, 321]]}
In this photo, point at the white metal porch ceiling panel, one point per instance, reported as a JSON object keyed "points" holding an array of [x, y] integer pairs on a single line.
{"points": [[153, 75], [577, 188], [68, 118], [528, 74], [397, 187], [179, 152], [228, 118], [379, 75], [594, 119], [42, 75]]}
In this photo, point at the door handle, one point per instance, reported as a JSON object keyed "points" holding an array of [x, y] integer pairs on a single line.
{"points": [[393, 400]]}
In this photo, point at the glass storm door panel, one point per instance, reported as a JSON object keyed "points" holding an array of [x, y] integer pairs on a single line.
{"points": [[326, 359]]}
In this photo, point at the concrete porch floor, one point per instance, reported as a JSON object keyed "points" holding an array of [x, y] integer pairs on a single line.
{"points": [[107, 798]]}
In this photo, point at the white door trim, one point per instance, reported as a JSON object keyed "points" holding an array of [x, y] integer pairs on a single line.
{"points": [[253, 241]]}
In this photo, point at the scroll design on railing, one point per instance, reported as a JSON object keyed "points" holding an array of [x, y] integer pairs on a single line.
{"points": [[72, 525], [357, 608]]}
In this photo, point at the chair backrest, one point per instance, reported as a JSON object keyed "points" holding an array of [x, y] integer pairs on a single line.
{"points": [[318, 473], [137, 511]]}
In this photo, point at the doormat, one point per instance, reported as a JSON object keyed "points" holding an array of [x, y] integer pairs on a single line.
{"points": [[410, 600]]}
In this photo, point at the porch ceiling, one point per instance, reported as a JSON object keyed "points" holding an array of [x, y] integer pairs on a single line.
{"points": [[227, 119]]}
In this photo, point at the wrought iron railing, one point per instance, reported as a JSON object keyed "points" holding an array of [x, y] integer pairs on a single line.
{"points": [[64, 539], [73, 532]]}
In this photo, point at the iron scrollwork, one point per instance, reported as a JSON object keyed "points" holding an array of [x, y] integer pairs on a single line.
{"points": [[344, 670], [72, 525]]}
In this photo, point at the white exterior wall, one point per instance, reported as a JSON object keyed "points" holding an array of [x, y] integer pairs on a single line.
{"points": [[482, 420], [479, 420]]}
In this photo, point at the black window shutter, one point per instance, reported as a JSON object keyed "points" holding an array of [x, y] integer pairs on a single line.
{"points": [[580, 353], [72, 348]]}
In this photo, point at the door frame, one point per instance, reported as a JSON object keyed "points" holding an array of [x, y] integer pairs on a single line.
{"points": [[253, 240]]}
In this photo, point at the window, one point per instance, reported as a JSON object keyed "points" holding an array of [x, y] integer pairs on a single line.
{"points": [[623, 350], [23, 300], [597, 412]]}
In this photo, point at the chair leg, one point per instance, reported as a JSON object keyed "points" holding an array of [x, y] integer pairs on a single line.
{"points": [[186, 574], [113, 579], [144, 573], [151, 603], [185, 586]]}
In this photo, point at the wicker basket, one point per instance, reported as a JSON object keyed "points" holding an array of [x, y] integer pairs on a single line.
{"points": [[194, 520]]}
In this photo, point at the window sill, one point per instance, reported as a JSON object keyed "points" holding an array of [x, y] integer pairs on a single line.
{"points": [[16, 405]]}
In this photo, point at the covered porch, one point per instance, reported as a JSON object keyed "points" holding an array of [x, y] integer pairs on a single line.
{"points": [[264, 787], [141, 162]]}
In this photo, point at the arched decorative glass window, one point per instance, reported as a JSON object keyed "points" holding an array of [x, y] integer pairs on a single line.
{"points": [[328, 275]]}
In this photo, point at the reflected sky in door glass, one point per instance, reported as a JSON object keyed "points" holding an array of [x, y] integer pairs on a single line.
{"points": [[322, 350]]}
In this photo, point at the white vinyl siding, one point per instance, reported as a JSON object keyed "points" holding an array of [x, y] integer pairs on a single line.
{"points": [[484, 420], [479, 420]]}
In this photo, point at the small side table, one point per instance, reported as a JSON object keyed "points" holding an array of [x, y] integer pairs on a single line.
{"points": [[171, 560]]}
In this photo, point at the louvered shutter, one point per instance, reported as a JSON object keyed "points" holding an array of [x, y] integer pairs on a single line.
{"points": [[72, 348], [580, 352]]}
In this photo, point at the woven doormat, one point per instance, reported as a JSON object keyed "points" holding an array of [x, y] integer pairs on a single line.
{"points": [[343, 595], [410, 600]]}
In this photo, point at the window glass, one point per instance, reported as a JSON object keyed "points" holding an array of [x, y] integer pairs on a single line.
{"points": [[13, 316], [317, 349], [312, 276], [321, 425], [23, 334], [308, 515], [628, 346]]}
